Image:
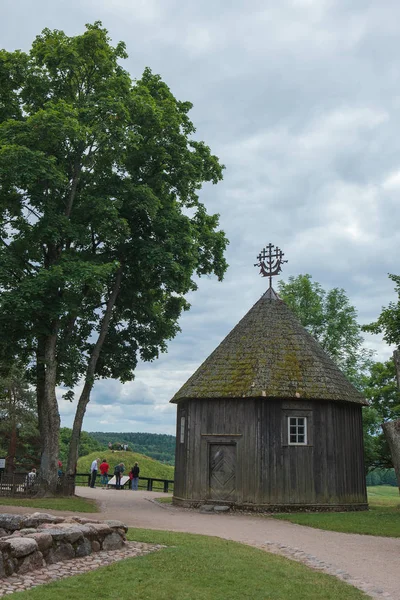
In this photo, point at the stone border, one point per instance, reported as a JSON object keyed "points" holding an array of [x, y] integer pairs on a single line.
{"points": [[314, 563], [30, 542], [75, 566]]}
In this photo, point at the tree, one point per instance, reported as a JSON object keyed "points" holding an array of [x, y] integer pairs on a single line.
{"points": [[102, 229], [20, 440], [388, 323], [332, 320]]}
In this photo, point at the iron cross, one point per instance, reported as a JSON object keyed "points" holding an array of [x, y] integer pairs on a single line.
{"points": [[270, 261]]}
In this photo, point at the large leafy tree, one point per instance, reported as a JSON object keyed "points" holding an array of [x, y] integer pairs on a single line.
{"points": [[388, 324], [332, 320], [102, 230]]}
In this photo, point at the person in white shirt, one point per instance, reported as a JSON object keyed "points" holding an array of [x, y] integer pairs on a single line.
{"points": [[31, 478], [93, 471]]}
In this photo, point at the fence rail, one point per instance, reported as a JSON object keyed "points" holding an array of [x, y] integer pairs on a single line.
{"points": [[19, 485], [149, 483]]}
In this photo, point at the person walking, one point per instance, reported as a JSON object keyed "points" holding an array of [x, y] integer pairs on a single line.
{"points": [[118, 472], [93, 472], [104, 473], [135, 477], [31, 478]]}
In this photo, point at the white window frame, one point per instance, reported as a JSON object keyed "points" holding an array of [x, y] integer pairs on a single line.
{"points": [[296, 424], [182, 431]]}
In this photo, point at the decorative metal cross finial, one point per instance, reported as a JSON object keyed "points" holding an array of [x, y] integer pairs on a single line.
{"points": [[270, 261]]}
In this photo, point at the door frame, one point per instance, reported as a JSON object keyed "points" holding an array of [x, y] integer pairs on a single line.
{"points": [[235, 439]]}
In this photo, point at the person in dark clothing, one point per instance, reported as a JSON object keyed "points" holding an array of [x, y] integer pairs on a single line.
{"points": [[135, 477], [118, 471]]}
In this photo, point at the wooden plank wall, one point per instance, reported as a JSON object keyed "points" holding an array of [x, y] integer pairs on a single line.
{"points": [[329, 470]]}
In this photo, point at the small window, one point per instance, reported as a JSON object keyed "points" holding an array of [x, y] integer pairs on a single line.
{"points": [[182, 437], [297, 431]]}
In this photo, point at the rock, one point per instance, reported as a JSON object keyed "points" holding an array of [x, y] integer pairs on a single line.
{"points": [[22, 546], [206, 508], [101, 528], [70, 533], [96, 546], [4, 545], [84, 520], [63, 551], [112, 542], [116, 524], [10, 522], [84, 548], [29, 563], [9, 567], [43, 540], [2, 569], [221, 508], [36, 519], [27, 531], [3, 532]]}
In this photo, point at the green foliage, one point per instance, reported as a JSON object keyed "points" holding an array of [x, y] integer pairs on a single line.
{"points": [[159, 446], [381, 390], [382, 477], [87, 444], [195, 567], [388, 322], [332, 320], [102, 232], [148, 466], [18, 417], [97, 173]]}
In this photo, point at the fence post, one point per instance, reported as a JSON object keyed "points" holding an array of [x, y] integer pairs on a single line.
{"points": [[149, 485], [166, 486]]}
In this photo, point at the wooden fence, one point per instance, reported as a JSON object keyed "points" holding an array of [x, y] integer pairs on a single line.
{"points": [[20, 486], [151, 484]]}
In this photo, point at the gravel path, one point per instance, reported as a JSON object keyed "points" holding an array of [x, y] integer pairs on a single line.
{"points": [[368, 562]]}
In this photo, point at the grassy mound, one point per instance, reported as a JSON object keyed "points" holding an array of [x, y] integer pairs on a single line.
{"points": [[148, 466]]}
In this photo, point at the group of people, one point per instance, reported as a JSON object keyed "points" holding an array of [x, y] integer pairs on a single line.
{"points": [[119, 470]]}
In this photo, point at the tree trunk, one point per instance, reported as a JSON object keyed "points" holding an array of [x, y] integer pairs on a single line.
{"points": [[49, 417], [396, 358], [89, 380], [391, 429]]}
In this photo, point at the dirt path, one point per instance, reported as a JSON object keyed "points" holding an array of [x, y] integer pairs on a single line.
{"points": [[368, 562]]}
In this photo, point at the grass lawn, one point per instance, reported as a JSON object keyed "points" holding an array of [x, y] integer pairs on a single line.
{"points": [[195, 567], [73, 503], [383, 518], [164, 500]]}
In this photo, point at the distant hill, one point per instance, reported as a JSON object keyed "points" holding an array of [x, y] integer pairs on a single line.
{"points": [[148, 466], [159, 446]]}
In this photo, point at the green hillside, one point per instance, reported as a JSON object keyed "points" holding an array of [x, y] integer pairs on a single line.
{"points": [[148, 466], [157, 445]]}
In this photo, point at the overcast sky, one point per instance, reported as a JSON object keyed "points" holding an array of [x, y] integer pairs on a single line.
{"points": [[301, 101]]}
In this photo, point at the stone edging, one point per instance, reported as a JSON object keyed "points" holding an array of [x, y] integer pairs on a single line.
{"points": [[30, 542], [314, 563], [75, 566]]}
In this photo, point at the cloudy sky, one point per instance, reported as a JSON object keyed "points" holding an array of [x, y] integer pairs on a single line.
{"points": [[300, 99]]}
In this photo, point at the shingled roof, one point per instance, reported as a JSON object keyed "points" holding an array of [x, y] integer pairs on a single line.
{"points": [[269, 354]]}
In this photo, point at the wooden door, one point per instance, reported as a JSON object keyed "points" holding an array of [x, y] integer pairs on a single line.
{"points": [[223, 472]]}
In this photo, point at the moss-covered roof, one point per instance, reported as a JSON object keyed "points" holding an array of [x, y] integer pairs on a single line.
{"points": [[269, 354]]}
